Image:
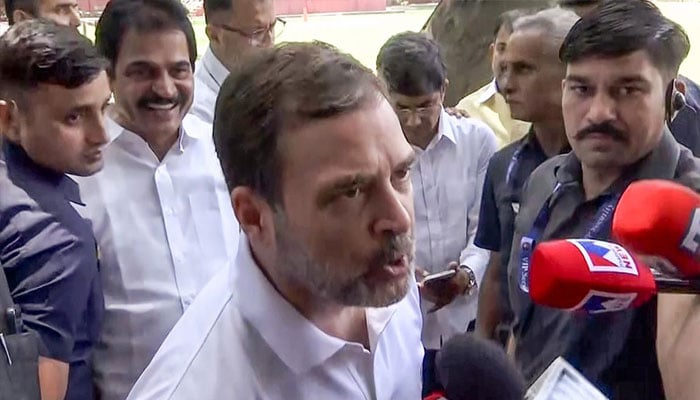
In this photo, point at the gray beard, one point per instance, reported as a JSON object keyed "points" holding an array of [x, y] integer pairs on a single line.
{"points": [[335, 283]]}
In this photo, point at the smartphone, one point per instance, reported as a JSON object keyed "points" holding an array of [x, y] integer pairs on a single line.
{"points": [[439, 277]]}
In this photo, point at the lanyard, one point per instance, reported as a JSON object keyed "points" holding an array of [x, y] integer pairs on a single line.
{"points": [[514, 164], [601, 224]]}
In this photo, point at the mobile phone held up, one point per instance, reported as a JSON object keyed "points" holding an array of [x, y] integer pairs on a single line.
{"points": [[438, 277]]}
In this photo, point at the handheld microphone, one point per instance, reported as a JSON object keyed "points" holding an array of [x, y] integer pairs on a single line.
{"points": [[595, 276], [661, 218], [473, 368]]}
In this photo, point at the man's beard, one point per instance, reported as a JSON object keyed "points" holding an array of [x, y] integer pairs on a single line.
{"points": [[344, 285]]}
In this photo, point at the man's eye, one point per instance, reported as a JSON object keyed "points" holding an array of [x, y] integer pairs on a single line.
{"points": [[580, 89], [72, 118], [403, 173], [352, 192]]}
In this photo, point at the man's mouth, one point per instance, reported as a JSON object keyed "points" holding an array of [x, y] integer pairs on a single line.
{"points": [[160, 106]]}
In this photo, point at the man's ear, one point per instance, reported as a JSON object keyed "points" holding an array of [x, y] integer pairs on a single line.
{"points": [[212, 34], [492, 49], [21, 15], [445, 85], [254, 214], [9, 120]]}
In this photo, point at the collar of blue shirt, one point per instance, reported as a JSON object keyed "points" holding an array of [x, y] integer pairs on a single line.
{"points": [[20, 166]]}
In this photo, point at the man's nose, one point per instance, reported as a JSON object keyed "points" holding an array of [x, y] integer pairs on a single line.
{"points": [[165, 87], [602, 108]]}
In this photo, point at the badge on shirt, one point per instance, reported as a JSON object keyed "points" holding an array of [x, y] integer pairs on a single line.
{"points": [[526, 248]]}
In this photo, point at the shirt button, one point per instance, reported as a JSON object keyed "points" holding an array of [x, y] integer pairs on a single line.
{"points": [[169, 211]]}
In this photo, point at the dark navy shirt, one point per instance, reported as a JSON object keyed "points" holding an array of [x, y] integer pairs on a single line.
{"points": [[686, 125], [49, 255], [500, 200]]}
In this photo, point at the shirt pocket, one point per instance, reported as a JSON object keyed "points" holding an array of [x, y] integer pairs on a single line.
{"points": [[212, 216]]}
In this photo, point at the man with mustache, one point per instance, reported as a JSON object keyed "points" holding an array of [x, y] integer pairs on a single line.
{"points": [[531, 83], [160, 208], [685, 124], [622, 60], [321, 302], [54, 91]]}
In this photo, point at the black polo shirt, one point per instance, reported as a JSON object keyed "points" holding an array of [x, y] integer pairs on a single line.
{"points": [[500, 199], [49, 256], [616, 351]]}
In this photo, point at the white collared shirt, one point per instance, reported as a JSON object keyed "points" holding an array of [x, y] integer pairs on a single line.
{"points": [[209, 75], [448, 178], [242, 340], [164, 228]]}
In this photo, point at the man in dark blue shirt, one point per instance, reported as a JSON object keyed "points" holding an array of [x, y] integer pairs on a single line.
{"points": [[54, 90], [531, 84]]}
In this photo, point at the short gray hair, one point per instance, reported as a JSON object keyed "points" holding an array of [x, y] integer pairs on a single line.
{"points": [[554, 22]]}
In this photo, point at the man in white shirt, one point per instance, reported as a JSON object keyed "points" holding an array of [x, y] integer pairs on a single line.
{"points": [[453, 154], [160, 208], [321, 302], [236, 29]]}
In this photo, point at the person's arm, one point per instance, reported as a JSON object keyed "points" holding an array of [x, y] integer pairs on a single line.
{"points": [[53, 378], [473, 256], [489, 313], [52, 285], [678, 345]]}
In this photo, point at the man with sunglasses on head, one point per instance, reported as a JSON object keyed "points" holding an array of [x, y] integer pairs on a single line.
{"points": [[452, 156], [236, 29]]}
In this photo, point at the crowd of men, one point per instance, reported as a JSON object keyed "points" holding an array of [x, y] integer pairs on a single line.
{"points": [[281, 222]]}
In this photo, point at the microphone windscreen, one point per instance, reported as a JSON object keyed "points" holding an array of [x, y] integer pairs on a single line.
{"points": [[472, 368], [660, 218], [593, 275]]}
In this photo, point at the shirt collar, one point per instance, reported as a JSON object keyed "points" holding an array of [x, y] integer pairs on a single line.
{"points": [[531, 143], [276, 320], [191, 128], [487, 92], [214, 67], [19, 162], [445, 127], [660, 163]]}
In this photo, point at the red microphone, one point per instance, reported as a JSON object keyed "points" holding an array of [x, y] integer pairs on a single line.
{"points": [[661, 218], [588, 274], [595, 276]]}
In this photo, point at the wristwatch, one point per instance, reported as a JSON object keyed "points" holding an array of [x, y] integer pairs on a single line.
{"points": [[472, 279]]}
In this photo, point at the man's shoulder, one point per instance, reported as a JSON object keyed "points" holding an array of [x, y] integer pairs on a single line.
{"points": [[471, 131], [688, 170], [188, 354]]}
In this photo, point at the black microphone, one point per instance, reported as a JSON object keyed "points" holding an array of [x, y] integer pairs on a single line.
{"points": [[472, 368]]}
